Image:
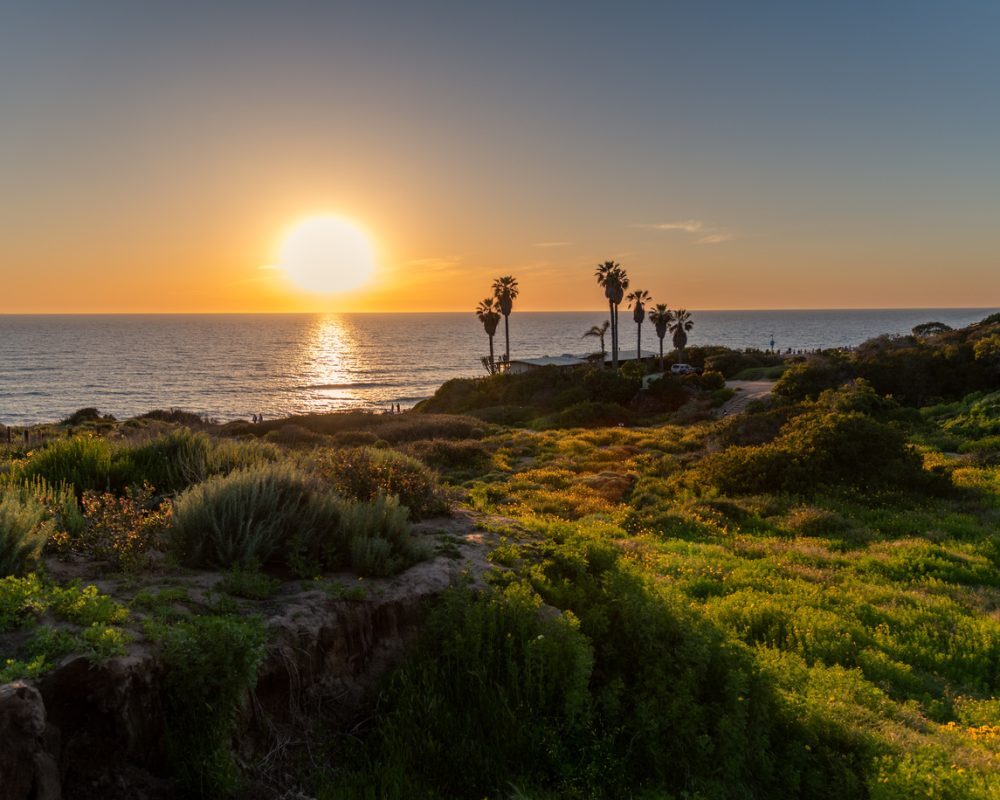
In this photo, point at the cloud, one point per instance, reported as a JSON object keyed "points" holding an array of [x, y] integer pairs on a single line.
{"points": [[552, 244], [715, 238], [706, 233]]}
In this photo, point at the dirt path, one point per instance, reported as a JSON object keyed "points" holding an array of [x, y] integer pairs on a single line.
{"points": [[745, 392]]}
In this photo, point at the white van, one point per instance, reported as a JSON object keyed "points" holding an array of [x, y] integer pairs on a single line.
{"points": [[682, 369]]}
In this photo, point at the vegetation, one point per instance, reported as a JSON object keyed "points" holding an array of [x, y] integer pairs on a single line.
{"points": [[210, 664], [277, 514], [795, 601]]}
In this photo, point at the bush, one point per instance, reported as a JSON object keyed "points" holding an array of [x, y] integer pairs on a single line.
{"points": [[24, 530], [85, 462], [364, 473], [462, 455], [251, 516], [588, 415], [277, 514], [616, 690], [170, 462], [807, 379], [119, 530], [210, 665], [821, 449]]}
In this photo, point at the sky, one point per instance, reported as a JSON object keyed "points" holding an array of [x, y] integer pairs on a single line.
{"points": [[727, 154]]}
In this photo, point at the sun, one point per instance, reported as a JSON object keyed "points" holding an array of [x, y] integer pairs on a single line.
{"points": [[327, 254]]}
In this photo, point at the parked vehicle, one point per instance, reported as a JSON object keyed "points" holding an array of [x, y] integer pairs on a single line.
{"points": [[683, 369]]}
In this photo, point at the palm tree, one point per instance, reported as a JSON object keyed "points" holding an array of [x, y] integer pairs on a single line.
{"points": [[489, 315], [637, 301], [505, 290], [599, 331], [614, 280], [680, 326], [661, 317]]}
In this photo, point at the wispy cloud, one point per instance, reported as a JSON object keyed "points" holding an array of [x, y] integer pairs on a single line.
{"points": [[552, 244], [706, 233]]}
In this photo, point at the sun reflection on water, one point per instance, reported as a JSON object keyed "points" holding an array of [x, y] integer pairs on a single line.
{"points": [[327, 363]]}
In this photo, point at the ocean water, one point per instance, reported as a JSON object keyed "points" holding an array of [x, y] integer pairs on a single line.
{"points": [[232, 366]]}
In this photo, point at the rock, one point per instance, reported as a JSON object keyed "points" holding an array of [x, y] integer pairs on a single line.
{"points": [[26, 769]]}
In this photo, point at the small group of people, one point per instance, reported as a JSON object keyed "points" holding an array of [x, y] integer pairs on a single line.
{"points": [[258, 418], [394, 409]]}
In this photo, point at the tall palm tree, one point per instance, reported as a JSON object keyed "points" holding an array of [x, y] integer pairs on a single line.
{"points": [[614, 280], [679, 327], [637, 301], [489, 315], [599, 331], [505, 290], [661, 317]]}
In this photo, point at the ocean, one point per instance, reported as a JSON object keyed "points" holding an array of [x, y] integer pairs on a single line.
{"points": [[233, 366]]}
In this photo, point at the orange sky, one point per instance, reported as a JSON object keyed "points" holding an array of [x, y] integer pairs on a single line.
{"points": [[151, 159]]}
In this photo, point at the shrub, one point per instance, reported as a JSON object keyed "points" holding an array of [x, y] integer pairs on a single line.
{"points": [[364, 473], [24, 530], [278, 514], [210, 664], [819, 449], [171, 462], [250, 583], [807, 379], [119, 530], [250, 516], [587, 415], [619, 691], [85, 462], [378, 537], [461, 455]]}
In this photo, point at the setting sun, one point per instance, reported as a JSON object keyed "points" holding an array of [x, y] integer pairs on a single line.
{"points": [[327, 255]]}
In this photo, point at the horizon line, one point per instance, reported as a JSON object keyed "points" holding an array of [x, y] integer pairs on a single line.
{"points": [[432, 311]]}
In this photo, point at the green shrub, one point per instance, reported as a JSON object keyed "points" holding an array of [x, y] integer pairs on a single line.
{"points": [[588, 415], [807, 379], [85, 462], [251, 516], [278, 514], [617, 692], [821, 449], [378, 537], [493, 686], [461, 455], [366, 472], [210, 664], [171, 462], [24, 531], [250, 583]]}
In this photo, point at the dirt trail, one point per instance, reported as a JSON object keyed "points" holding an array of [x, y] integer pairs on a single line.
{"points": [[745, 392]]}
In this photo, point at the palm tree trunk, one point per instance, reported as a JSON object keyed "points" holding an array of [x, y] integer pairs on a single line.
{"points": [[611, 313], [491, 351], [662, 366], [614, 342], [638, 341], [506, 333]]}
